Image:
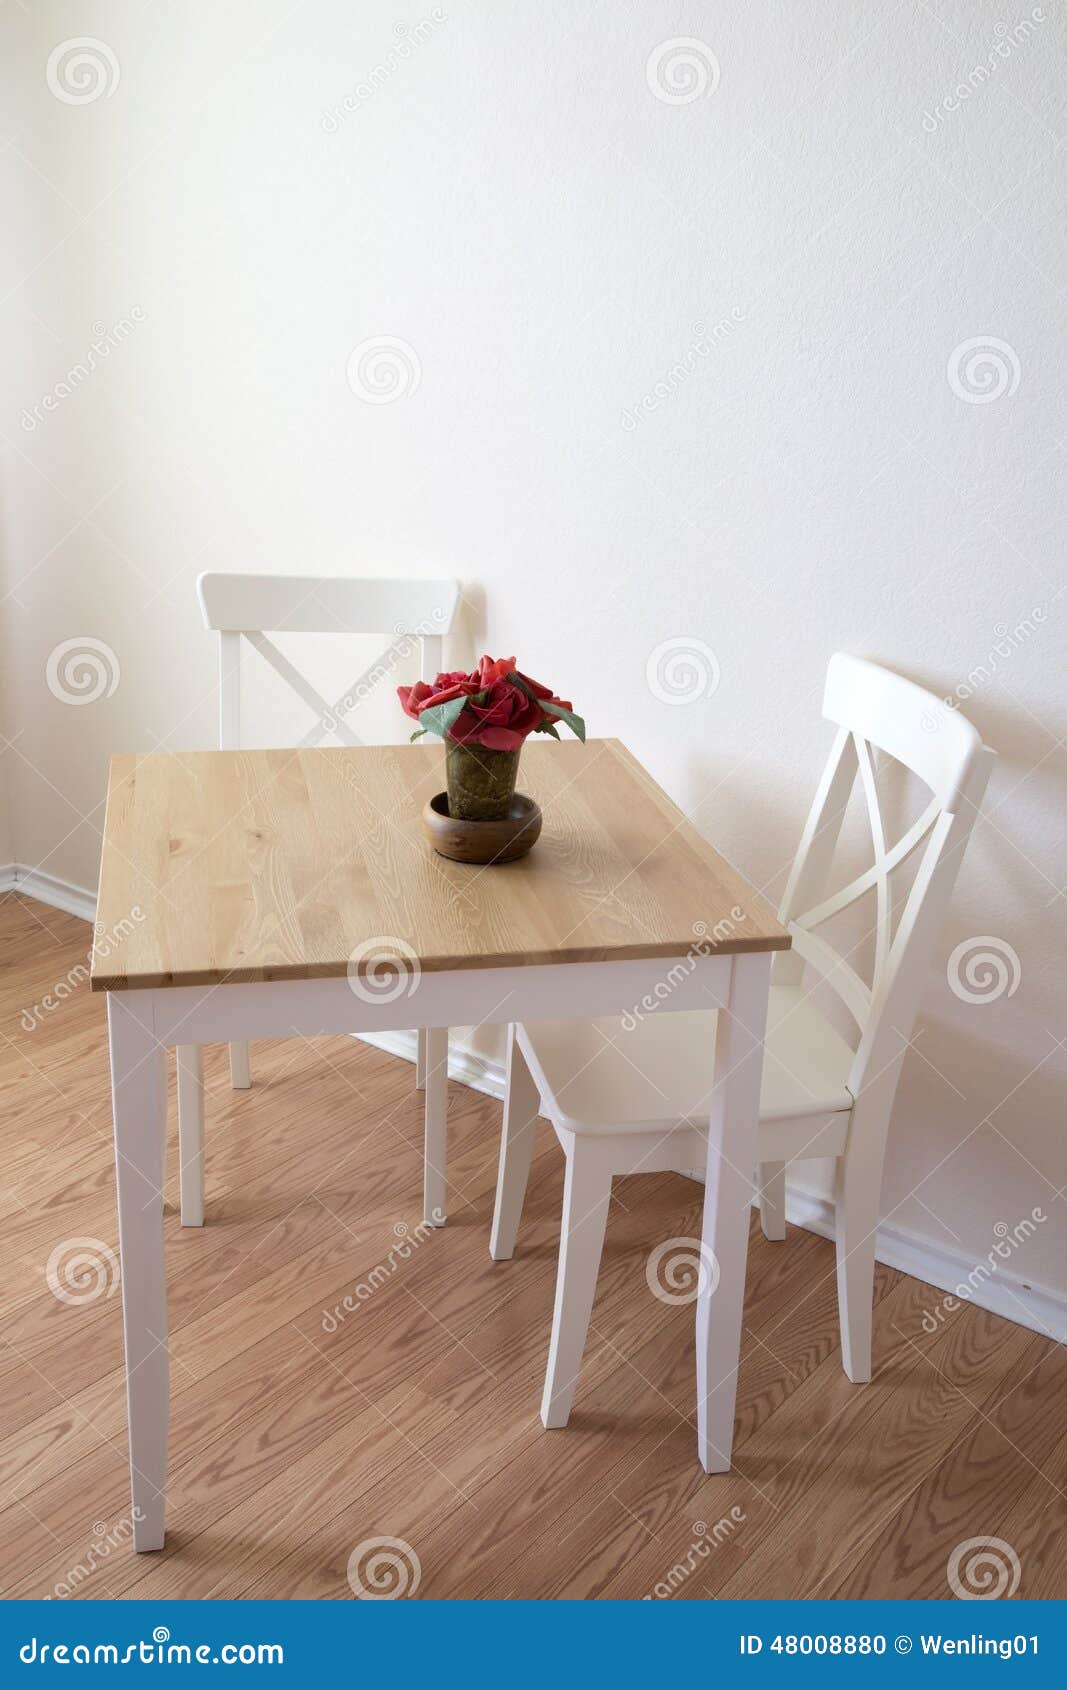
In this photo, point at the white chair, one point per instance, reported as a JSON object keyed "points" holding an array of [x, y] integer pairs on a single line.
{"points": [[633, 1095], [240, 607]]}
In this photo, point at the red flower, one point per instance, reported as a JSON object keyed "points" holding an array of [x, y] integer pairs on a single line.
{"points": [[500, 711], [502, 721], [447, 686]]}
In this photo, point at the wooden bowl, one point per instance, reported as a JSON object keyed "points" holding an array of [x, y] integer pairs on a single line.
{"points": [[499, 841]]}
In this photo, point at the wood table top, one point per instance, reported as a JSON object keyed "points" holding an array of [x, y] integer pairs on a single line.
{"points": [[230, 866]]}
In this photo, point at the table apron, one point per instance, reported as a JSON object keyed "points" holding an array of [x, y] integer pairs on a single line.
{"points": [[279, 1009]]}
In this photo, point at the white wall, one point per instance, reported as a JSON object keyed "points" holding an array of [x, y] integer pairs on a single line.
{"points": [[9, 710], [806, 245]]}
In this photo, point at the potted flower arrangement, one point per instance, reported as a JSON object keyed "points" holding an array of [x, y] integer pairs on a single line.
{"points": [[484, 718]]}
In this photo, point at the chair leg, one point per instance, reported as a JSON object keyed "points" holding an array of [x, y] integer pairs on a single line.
{"points": [[521, 1107], [435, 1145], [190, 1060], [772, 1200], [420, 1060], [240, 1074], [586, 1196], [857, 1200]]}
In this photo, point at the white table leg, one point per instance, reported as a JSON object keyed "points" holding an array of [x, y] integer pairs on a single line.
{"points": [[435, 1152], [240, 1070], [191, 1133], [522, 1104], [727, 1201], [139, 1093]]}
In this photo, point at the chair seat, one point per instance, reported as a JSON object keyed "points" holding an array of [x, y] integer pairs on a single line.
{"points": [[604, 1076]]}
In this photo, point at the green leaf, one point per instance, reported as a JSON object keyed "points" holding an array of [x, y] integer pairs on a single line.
{"points": [[547, 728], [418, 735], [575, 723], [439, 718]]}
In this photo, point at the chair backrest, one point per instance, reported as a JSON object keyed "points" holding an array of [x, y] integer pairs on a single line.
{"points": [[875, 709], [251, 606]]}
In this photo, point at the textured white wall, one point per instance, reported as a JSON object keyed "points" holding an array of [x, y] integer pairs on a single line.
{"points": [[685, 375]]}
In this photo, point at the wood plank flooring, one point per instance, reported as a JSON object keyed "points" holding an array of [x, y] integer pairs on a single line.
{"points": [[305, 1427]]}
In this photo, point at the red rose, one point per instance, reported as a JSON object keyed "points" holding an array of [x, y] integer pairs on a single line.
{"points": [[447, 685], [503, 704], [502, 721]]}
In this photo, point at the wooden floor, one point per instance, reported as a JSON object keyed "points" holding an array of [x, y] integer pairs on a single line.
{"points": [[302, 1430]]}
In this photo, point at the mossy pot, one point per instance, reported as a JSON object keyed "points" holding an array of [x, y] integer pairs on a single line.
{"points": [[481, 783]]}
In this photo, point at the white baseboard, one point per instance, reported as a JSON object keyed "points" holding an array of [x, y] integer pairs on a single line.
{"points": [[463, 1065], [1004, 1292], [1037, 1307], [48, 889]]}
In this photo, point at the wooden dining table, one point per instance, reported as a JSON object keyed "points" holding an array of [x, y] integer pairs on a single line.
{"points": [[282, 894]]}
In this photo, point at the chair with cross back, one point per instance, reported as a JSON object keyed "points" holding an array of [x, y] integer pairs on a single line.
{"points": [[250, 608]]}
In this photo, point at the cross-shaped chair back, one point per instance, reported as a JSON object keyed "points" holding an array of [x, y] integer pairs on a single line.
{"points": [[251, 606], [875, 709]]}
